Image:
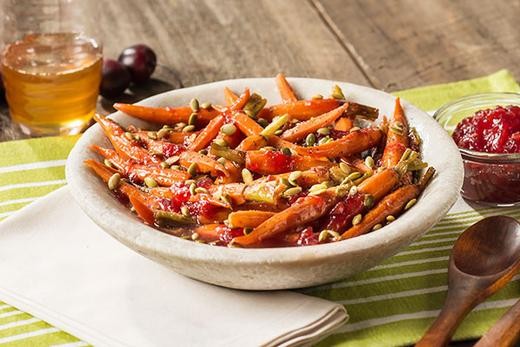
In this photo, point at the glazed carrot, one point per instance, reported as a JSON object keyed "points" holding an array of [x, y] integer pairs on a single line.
{"points": [[252, 142], [344, 124], [286, 91], [247, 125], [303, 211], [162, 176], [207, 135], [208, 232], [352, 143], [248, 219], [229, 96], [302, 129], [126, 148], [380, 184], [143, 211], [242, 100], [301, 109], [397, 137], [204, 164], [274, 162], [166, 115], [390, 205]]}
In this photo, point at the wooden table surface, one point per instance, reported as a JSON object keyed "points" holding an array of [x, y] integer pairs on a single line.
{"points": [[389, 45]]}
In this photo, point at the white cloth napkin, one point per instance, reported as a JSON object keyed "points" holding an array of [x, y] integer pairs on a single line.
{"points": [[59, 266]]}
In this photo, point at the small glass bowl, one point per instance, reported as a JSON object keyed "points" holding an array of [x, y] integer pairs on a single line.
{"points": [[489, 178]]}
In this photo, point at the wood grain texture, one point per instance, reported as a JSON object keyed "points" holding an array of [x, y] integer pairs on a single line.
{"points": [[209, 40], [406, 43]]}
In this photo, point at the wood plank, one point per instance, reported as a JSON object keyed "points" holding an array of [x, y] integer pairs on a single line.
{"points": [[406, 43], [210, 40]]}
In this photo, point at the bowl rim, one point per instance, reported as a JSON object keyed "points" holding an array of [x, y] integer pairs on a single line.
{"points": [[162, 243], [505, 158]]}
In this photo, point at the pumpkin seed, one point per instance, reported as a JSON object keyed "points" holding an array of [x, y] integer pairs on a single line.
{"points": [[323, 131], [390, 218], [192, 169], [185, 211], [188, 128], [173, 159], [205, 105], [129, 136], [324, 140], [317, 97], [369, 161], [353, 190], [194, 104], [165, 165], [345, 168], [292, 191], [278, 132], [152, 135], [337, 93], [369, 201], [357, 219], [193, 186], [150, 182], [193, 119], [410, 203], [201, 190], [293, 177], [353, 176], [163, 133], [354, 129], [228, 129], [222, 160], [326, 234], [220, 142], [377, 227], [113, 181], [247, 177], [108, 163], [263, 122], [310, 140], [286, 151]]}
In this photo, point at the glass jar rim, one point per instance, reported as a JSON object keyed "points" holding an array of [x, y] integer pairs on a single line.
{"points": [[511, 158]]}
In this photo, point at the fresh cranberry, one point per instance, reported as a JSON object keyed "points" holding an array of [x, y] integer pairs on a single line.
{"points": [[343, 213], [307, 237], [493, 131], [171, 149], [227, 234]]}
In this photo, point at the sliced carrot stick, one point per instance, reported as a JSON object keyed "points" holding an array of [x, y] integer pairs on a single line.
{"points": [[301, 109], [163, 177], [247, 125], [380, 183], [397, 137], [286, 91], [252, 142], [391, 204], [302, 129], [344, 124], [248, 219], [128, 149], [166, 115], [141, 208], [229, 96], [350, 144], [207, 135], [241, 101], [204, 163], [303, 211]]}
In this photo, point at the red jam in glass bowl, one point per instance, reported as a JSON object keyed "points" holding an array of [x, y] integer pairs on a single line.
{"points": [[487, 131]]}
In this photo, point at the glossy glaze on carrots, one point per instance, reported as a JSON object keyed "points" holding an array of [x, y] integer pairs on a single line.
{"points": [[253, 174]]}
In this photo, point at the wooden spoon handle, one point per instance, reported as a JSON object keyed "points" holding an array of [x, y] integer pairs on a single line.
{"points": [[505, 332], [453, 312]]}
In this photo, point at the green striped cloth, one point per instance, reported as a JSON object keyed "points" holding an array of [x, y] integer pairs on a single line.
{"points": [[391, 304]]}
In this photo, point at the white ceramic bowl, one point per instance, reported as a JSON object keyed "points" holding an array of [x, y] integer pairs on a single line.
{"points": [[272, 268]]}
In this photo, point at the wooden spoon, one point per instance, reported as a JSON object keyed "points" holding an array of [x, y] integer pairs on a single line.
{"points": [[484, 258], [505, 332]]}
